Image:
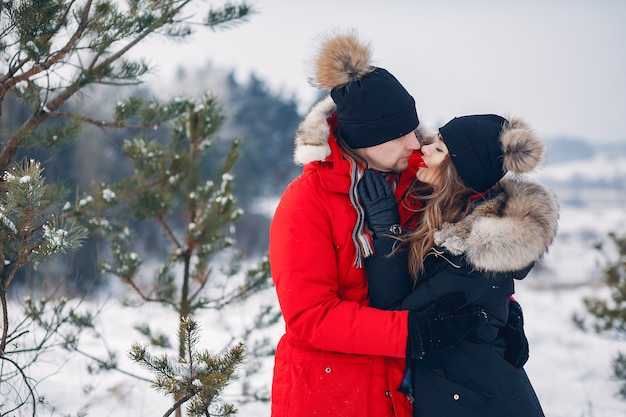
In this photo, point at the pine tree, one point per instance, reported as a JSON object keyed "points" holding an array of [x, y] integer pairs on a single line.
{"points": [[30, 232], [54, 50], [193, 205], [609, 315], [54, 53], [196, 378]]}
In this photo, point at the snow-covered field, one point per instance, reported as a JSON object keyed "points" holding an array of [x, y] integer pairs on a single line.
{"points": [[570, 369]]}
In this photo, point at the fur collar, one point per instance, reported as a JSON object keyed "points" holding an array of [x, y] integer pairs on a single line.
{"points": [[311, 142], [507, 232]]}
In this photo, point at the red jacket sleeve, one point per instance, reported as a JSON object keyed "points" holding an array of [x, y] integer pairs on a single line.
{"points": [[323, 296]]}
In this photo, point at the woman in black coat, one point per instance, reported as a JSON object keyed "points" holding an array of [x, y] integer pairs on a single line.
{"points": [[479, 231]]}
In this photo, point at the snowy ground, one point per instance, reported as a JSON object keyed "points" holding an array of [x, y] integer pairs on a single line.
{"points": [[569, 369]]}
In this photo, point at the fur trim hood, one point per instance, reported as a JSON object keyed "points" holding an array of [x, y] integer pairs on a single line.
{"points": [[311, 142], [507, 232]]}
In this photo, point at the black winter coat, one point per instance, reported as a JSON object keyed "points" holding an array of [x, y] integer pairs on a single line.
{"points": [[481, 256]]}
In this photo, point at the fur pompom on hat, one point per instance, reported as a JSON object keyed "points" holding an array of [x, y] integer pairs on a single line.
{"points": [[372, 106], [483, 148]]}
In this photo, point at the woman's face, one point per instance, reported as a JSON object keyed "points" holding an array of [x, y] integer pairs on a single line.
{"points": [[434, 154]]}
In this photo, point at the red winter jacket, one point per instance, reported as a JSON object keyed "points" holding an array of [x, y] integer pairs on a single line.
{"points": [[338, 356]]}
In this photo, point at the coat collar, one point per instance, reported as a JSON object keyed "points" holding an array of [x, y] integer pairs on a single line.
{"points": [[506, 232]]}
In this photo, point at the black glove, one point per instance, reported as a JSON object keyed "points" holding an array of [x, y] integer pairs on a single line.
{"points": [[379, 203], [443, 325], [516, 351]]}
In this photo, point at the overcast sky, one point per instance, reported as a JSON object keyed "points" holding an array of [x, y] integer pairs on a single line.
{"points": [[559, 64]]}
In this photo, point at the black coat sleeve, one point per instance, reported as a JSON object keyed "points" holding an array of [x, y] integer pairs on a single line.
{"points": [[388, 275]]}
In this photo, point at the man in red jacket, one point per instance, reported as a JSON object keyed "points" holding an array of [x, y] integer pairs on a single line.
{"points": [[338, 356]]}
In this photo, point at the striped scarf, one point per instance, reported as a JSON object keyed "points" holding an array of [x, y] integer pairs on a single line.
{"points": [[362, 241]]}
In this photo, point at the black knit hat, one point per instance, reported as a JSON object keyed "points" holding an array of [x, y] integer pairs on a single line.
{"points": [[374, 109], [475, 149], [372, 106]]}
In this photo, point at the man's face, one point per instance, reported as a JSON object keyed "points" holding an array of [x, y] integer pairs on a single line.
{"points": [[391, 156]]}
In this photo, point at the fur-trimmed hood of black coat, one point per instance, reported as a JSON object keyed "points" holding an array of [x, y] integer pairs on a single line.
{"points": [[507, 232]]}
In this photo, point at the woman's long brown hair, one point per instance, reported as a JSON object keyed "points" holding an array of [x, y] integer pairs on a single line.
{"points": [[448, 202]]}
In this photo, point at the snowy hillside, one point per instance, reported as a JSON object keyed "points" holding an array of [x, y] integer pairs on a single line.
{"points": [[570, 369]]}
